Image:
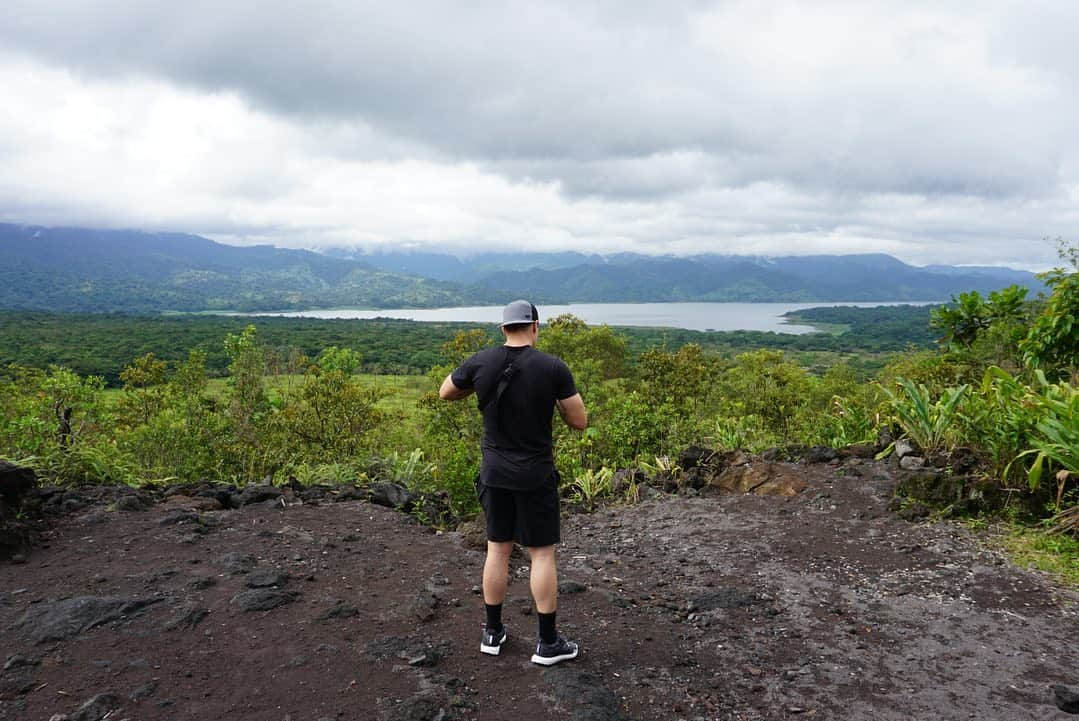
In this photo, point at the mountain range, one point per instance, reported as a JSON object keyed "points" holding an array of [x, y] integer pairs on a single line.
{"points": [[82, 269], [627, 277]]}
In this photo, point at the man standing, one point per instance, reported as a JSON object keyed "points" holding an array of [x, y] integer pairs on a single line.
{"points": [[517, 389]]}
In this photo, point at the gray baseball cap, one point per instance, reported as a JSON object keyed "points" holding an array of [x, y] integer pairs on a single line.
{"points": [[518, 312]]}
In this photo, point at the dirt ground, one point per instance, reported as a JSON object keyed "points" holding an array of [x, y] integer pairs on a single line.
{"points": [[714, 606]]}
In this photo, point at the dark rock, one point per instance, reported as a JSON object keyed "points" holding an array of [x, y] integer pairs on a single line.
{"points": [[819, 454], [583, 692], [63, 619], [424, 655], [915, 511], [424, 706], [388, 647], [695, 478], [131, 503], [338, 610], [423, 606], [649, 492], [861, 450], [96, 708], [929, 486], [266, 578], [174, 518], [263, 599], [18, 558], [94, 517], [474, 533], [391, 495], [144, 691], [567, 587], [911, 463], [258, 494], [17, 683], [724, 598], [349, 493], [72, 503], [15, 480], [237, 563], [189, 616], [695, 456], [1066, 698], [223, 494], [18, 661], [201, 583], [773, 454]]}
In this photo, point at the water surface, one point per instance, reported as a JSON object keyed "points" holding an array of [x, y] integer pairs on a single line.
{"points": [[692, 316]]}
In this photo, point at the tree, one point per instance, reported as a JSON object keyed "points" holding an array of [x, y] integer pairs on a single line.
{"points": [[1053, 341]]}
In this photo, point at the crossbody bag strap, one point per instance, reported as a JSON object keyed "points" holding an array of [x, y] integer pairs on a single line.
{"points": [[509, 372]]}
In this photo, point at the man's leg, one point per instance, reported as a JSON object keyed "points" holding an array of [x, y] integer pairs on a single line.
{"points": [[496, 572], [544, 579], [495, 575], [552, 648]]}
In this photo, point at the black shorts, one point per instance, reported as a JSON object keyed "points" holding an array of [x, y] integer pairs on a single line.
{"points": [[532, 518]]}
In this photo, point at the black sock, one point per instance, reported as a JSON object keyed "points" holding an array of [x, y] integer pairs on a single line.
{"points": [[494, 617], [547, 631]]}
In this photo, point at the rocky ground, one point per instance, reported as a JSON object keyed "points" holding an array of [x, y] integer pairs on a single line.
{"points": [[699, 605]]}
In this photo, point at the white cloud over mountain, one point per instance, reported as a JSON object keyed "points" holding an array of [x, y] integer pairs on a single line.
{"points": [[938, 132]]}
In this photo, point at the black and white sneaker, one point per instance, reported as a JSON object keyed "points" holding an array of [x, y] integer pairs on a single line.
{"points": [[491, 643], [548, 654]]}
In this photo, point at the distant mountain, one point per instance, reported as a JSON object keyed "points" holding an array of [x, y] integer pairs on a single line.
{"points": [[441, 266], [628, 277], [80, 269]]}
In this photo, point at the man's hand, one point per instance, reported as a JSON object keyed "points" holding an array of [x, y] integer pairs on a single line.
{"points": [[573, 412], [450, 392]]}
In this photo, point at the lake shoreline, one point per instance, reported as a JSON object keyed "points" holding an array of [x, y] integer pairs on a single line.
{"points": [[704, 317]]}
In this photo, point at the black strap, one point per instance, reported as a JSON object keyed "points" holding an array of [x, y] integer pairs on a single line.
{"points": [[509, 372]]}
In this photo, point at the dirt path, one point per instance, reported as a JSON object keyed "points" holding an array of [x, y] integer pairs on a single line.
{"points": [[819, 606]]}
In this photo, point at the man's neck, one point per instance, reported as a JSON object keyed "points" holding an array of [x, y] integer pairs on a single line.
{"points": [[517, 344]]}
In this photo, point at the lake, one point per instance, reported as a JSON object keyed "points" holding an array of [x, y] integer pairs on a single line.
{"points": [[692, 316]]}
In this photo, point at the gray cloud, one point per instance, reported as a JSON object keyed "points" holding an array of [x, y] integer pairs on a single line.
{"points": [[742, 121]]}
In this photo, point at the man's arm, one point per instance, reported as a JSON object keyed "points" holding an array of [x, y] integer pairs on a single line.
{"points": [[450, 392], [573, 412]]}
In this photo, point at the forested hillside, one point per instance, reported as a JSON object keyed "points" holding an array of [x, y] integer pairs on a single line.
{"points": [[83, 270], [627, 277]]}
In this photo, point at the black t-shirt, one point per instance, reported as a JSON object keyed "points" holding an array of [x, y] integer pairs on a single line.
{"points": [[517, 449]]}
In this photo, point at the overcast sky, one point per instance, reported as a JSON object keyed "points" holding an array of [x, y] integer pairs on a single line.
{"points": [[934, 131]]}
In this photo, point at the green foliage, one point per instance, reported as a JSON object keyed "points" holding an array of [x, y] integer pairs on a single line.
{"points": [[56, 418], [1055, 440], [627, 426], [342, 360], [593, 354], [590, 486], [998, 421], [330, 417], [1052, 343], [927, 422], [168, 424], [765, 385], [452, 431]]}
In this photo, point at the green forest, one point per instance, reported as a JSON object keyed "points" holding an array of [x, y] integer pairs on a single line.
{"points": [[109, 399]]}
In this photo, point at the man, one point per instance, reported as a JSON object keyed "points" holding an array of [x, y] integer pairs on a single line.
{"points": [[517, 389]]}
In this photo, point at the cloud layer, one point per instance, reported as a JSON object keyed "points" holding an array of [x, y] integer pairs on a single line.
{"points": [[930, 131]]}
